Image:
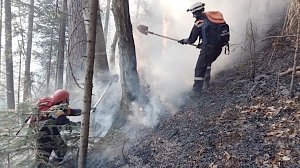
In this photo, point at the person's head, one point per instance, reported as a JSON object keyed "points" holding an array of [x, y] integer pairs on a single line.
{"points": [[61, 96], [197, 9]]}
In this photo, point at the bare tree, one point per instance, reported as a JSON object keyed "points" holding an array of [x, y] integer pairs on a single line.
{"points": [[10, 93], [128, 65], [112, 58], [292, 90], [1, 10], [76, 44], [27, 79], [61, 49], [101, 62], [106, 21], [88, 84], [49, 63], [79, 22]]}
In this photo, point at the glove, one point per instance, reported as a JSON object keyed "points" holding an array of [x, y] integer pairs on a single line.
{"points": [[199, 46], [183, 41]]}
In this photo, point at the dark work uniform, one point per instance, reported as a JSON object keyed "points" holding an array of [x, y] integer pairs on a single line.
{"points": [[49, 138], [208, 53]]}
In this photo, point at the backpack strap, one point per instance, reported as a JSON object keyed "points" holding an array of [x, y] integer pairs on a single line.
{"points": [[199, 23]]}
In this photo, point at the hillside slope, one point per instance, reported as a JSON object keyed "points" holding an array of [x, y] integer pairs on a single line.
{"points": [[239, 121]]}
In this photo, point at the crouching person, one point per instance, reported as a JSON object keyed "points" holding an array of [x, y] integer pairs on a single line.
{"points": [[54, 111]]}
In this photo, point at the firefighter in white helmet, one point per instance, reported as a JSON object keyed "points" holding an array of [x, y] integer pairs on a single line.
{"points": [[208, 53]]}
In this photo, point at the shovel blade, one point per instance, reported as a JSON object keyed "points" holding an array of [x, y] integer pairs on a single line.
{"points": [[143, 29]]}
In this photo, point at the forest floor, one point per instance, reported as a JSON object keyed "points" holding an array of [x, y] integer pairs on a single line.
{"points": [[241, 120]]}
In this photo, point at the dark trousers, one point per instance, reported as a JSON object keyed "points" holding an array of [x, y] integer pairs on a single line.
{"points": [[48, 140], [208, 55]]}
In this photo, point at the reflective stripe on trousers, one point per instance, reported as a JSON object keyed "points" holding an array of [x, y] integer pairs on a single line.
{"points": [[198, 78]]}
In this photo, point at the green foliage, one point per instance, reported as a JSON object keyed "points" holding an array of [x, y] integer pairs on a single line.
{"points": [[46, 26], [16, 151], [19, 150]]}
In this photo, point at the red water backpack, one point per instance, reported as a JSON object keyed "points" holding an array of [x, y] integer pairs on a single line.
{"points": [[43, 105]]}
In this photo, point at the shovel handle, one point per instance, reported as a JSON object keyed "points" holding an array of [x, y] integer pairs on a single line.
{"points": [[168, 38], [114, 78]]}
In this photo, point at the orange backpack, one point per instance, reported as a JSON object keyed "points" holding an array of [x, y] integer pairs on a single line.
{"points": [[216, 30]]}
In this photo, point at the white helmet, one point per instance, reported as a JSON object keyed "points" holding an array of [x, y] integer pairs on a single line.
{"points": [[198, 6]]}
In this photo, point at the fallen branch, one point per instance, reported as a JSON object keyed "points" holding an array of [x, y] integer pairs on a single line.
{"points": [[290, 70], [269, 37]]}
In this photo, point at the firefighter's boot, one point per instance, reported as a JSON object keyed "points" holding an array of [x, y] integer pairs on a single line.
{"points": [[207, 78], [197, 87]]}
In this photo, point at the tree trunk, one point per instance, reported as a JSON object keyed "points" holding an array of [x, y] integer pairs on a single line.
{"points": [[112, 59], [20, 46], [49, 63], [292, 90], [101, 62], [1, 10], [27, 78], [22, 50], [76, 44], [106, 20], [88, 84], [10, 93], [128, 66], [61, 49]]}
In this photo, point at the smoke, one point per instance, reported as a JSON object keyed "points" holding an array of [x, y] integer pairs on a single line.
{"points": [[102, 117]]}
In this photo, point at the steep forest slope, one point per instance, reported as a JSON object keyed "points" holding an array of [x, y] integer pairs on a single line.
{"points": [[247, 118]]}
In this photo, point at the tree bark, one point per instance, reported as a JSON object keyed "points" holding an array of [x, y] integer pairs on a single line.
{"points": [[10, 93], [128, 66], [1, 10], [88, 84], [27, 78], [112, 58], [49, 63], [106, 20], [101, 62], [76, 44], [292, 90], [61, 49]]}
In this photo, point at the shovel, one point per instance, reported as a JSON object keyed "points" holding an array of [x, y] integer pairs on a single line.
{"points": [[144, 30]]}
